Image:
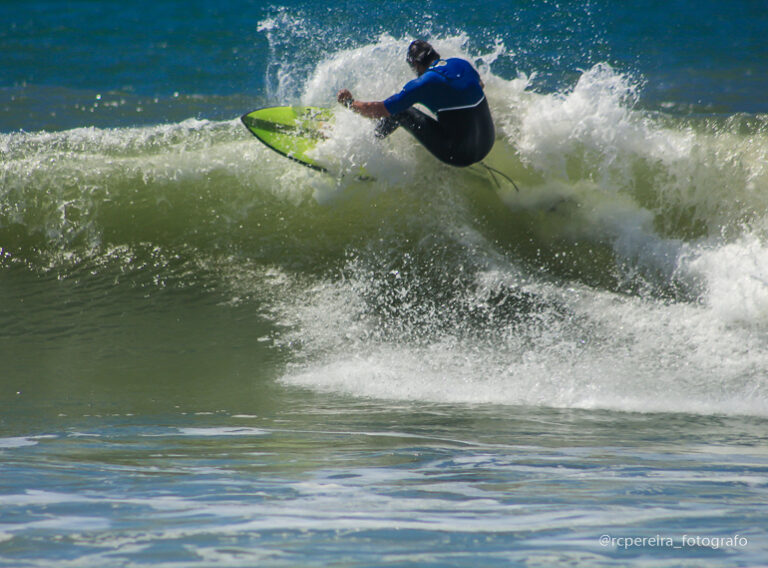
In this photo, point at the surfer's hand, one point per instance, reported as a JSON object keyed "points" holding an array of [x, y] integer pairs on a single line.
{"points": [[345, 97]]}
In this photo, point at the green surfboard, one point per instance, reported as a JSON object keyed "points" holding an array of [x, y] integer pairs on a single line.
{"points": [[293, 131]]}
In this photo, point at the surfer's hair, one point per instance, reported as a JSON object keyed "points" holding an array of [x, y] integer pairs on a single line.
{"points": [[421, 53]]}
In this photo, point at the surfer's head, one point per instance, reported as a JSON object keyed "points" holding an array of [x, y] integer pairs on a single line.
{"points": [[421, 55]]}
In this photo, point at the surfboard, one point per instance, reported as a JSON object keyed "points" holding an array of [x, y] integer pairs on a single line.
{"points": [[292, 131]]}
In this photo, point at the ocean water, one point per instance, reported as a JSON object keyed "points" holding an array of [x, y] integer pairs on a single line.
{"points": [[212, 356]]}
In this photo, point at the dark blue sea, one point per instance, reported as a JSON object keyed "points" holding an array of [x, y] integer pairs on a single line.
{"points": [[213, 356]]}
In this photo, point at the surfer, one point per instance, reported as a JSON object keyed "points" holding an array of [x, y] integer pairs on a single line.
{"points": [[463, 133]]}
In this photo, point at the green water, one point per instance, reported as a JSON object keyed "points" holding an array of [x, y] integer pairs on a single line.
{"points": [[85, 343]]}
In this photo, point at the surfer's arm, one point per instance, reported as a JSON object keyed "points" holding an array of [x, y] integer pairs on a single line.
{"points": [[373, 109]]}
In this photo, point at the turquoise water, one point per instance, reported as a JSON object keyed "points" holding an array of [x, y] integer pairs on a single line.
{"points": [[212, 356]]}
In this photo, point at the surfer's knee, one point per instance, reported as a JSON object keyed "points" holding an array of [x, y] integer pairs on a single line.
{"points": [[386, 126]]}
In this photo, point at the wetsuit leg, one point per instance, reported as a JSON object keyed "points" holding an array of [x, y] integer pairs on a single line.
{"points": [[422, 126], [459, 138], [471, 133]]}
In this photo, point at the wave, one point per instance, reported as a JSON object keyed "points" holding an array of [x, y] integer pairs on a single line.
{"points": [[629, 271]]}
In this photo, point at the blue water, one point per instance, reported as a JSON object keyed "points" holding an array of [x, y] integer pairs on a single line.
{"points": [[212, 356], [704, 58]]}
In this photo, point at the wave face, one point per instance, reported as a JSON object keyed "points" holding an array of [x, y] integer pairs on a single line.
{"points": [[630, 270]]}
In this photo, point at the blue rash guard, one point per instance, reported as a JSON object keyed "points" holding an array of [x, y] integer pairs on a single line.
{"points": [[449, 84], [463, 132]]}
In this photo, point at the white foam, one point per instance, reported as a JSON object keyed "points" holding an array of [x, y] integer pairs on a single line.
{"points": [[736, 279], [609, 351], [222, 431], [16, 442]]}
